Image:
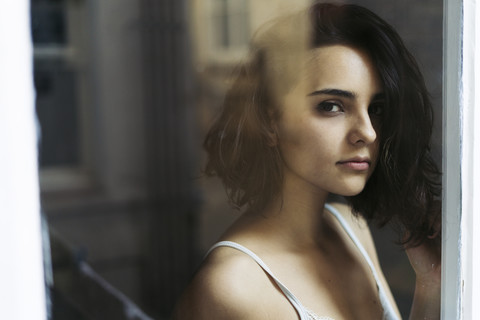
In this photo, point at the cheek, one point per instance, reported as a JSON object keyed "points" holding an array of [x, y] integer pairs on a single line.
{"points": [[290, 132], [307, 143]]}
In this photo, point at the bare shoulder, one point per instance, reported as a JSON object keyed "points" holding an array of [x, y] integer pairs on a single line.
{"points": [[226, 287]]}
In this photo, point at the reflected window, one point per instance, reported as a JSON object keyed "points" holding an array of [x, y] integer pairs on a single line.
{"points": [[63, 93], [48, 22], [55, 79], [228, 29], [230, 23]]}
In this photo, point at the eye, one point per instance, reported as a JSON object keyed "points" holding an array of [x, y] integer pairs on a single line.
{"points": [[330, 107], [376, 109]]}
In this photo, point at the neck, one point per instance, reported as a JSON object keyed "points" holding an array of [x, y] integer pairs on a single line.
{"points": [[293, 220], [300, 216], [295, 217]]}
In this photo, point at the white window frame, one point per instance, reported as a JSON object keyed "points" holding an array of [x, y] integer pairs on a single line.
{"points": [[22, 289], [461, 158]]}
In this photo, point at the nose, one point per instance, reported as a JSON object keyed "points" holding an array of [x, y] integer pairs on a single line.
{"points": [[362, 130]]}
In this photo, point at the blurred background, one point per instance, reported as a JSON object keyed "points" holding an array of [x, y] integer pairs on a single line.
{"points": [[126, 90]]}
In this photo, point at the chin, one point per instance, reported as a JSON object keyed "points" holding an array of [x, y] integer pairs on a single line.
{"points": [[350, 194], [351, 190]]}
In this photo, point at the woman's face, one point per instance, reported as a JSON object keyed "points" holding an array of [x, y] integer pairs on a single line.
{"points": [[328, 123]]}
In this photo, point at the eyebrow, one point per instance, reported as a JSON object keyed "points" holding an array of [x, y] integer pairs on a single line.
{"points": [[343, 94], [334, 92]]}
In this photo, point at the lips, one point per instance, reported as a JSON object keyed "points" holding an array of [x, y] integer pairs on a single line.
{"points": [[357, 163]]}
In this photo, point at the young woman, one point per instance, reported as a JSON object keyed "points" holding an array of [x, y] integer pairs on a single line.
{"points": [[330, 103]]}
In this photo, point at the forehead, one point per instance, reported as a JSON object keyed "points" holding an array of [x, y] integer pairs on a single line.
{"points": [[342, 67]]}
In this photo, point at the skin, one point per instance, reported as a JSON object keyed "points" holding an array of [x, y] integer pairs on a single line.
{"points": [[327, 135]]}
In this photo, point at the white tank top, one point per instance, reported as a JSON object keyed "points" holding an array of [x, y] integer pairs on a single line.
{"points": [[304, 313]]}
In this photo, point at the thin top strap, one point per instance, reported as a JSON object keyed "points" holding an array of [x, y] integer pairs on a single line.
{"points": [[388, 310], [288, 294]]}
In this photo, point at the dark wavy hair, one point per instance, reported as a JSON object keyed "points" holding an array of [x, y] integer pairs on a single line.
{"points": [[404, 186]]}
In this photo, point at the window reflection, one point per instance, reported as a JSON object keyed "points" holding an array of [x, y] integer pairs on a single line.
{"points": [[55, 83]]}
